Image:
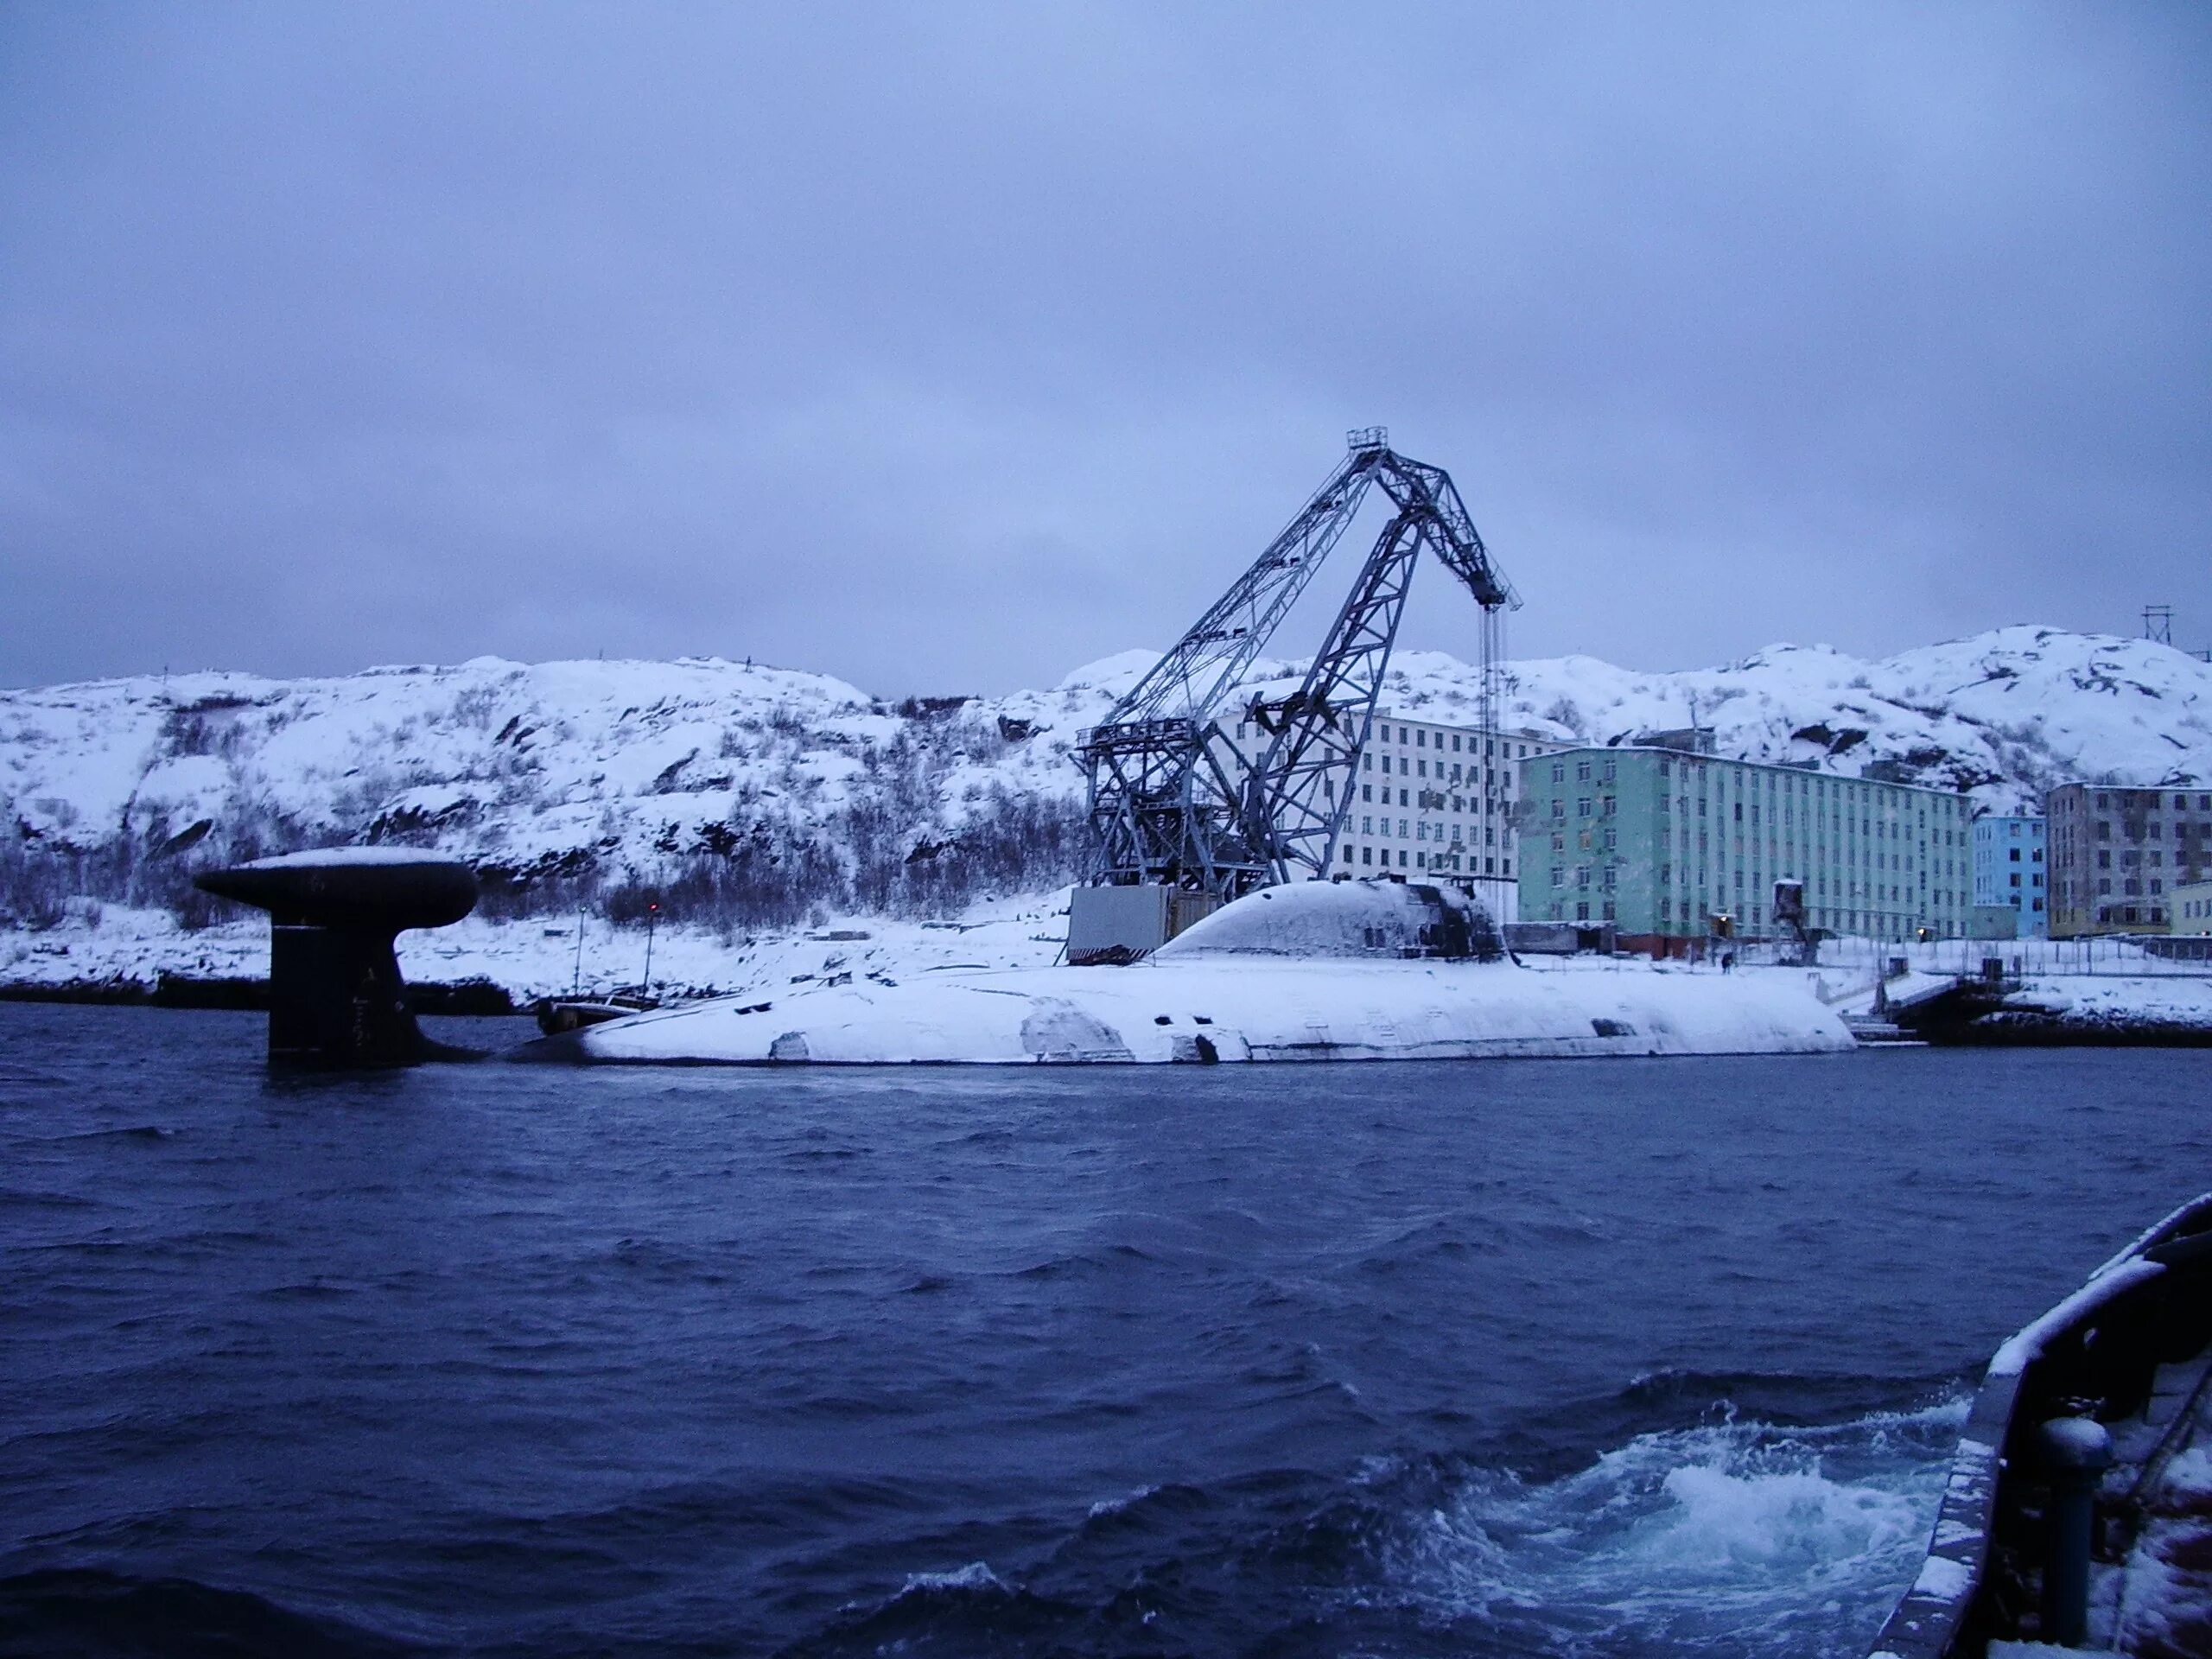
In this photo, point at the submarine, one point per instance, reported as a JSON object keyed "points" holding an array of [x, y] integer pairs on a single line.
{"points": [[1309, 970]]}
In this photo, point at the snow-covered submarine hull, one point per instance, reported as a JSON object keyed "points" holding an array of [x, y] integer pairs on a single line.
{"points": [[1306, 971]]}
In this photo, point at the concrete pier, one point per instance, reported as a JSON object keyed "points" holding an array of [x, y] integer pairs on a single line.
{"points": [[336, 998]]}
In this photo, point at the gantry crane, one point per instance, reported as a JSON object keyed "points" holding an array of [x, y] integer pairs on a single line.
{"points": [[1174, 801]]}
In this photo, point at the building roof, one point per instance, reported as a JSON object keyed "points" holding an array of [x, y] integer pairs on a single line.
{"points": [[1733, 760]]}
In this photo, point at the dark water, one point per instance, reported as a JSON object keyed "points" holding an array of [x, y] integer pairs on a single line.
{"points": [[1586, 1357]]}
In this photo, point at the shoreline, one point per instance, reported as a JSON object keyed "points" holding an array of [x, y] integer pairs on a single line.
{"points": [[473, 998], [481, 967]]}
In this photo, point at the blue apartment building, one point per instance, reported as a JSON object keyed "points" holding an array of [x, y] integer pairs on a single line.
{"points": [[2010, 867], [1669, 844]]}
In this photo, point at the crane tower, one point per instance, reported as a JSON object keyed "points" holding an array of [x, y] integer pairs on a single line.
{"points": [[1178, 807]]}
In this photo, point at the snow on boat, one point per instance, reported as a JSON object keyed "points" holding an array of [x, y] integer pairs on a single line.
{"points": [[2079, 1510], [1304, 971]]}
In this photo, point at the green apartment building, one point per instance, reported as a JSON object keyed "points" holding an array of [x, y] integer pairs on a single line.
{"points": [[1661, 842]]}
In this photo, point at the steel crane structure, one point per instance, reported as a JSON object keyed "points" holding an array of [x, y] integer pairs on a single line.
{"points": [[1174, 801]]}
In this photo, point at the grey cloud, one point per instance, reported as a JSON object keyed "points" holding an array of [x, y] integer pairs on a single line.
{"points": [[946, 349]]}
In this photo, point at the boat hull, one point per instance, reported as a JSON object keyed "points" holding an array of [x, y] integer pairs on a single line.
{"points": [[1229, 1010]]}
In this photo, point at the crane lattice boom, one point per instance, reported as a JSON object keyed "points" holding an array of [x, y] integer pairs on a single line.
{"points": [[1173, 800]]}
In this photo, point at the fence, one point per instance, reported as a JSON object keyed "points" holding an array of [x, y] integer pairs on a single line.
{"points": [[1863, 961], [2021, 957]]}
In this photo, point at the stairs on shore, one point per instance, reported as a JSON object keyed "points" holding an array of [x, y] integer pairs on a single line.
{"points": [[1873, 1032]]}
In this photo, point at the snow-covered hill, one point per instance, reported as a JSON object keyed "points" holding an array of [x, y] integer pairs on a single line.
{"points": [[805, 789], [2004, 715]]}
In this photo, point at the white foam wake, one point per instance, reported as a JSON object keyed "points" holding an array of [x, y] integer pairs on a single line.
{"points": [[1736, 1538]]}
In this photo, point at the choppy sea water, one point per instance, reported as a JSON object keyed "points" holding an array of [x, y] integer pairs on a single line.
{"points": [[1592, 1357]]}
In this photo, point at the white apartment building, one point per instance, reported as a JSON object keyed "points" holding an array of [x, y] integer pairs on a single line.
{"points": [[1432, 800]]}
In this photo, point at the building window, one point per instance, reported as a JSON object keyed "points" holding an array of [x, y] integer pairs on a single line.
{"points": [[1559, 774]]}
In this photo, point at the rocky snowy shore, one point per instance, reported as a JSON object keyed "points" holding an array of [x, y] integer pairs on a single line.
{"points": [[2082, 1010], [113, 954]]}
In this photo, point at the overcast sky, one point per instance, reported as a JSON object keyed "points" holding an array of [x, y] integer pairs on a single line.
{"points": [[946, 347]]}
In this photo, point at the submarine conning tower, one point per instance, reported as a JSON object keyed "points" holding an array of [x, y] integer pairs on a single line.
{"points": [[336, 996], [1344, 920]]}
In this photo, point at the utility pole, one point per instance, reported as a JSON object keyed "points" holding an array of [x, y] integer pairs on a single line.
{"points": [[2158, 624]]}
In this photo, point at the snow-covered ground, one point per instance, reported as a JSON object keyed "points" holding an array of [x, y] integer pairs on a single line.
{"points": [[112, 947], [2117, 1002], [534, 958]]}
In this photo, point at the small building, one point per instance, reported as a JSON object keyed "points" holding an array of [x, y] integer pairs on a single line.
{"points": [[2192, 909], [1673, 846], [1992, 922], [2009, 869], [2116, 854]]}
